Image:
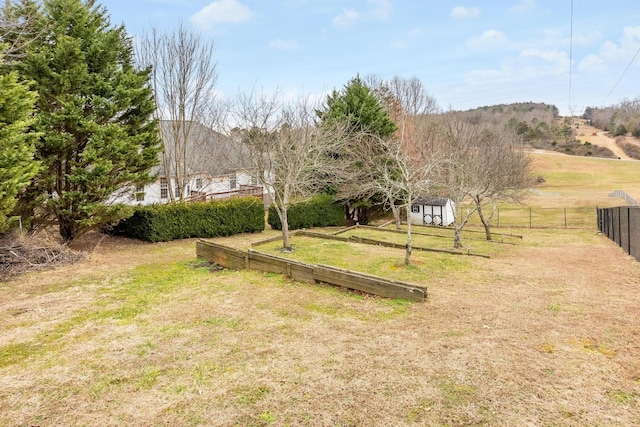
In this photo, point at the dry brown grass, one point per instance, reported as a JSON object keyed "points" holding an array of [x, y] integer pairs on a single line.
{"points": [[542, 334]]}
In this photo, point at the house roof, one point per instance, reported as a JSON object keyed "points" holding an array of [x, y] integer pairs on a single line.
{"points": [[207, 151], [431, 201]]}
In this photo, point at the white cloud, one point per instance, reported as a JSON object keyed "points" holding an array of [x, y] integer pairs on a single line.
{"points": [[415, 32], [280, 44], [555, 56], [461, 12], [221, 11], [346, 18], [489, 38], [376, 10], [523, 6], [592, 62], [399, 44], [380, 9], [555, 37], [611, 52], [530, 66]]}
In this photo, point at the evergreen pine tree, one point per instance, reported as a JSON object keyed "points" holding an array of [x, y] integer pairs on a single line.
{"points": [[358, 105], [367, 120], [17, 166], [93, 114]]}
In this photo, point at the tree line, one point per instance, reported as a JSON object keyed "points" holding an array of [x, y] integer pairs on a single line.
{"points": [[80, 108], [618, 119]]}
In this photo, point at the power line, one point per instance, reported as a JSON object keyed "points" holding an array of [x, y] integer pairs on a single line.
{"points": [[623, 73], [570, 56]]}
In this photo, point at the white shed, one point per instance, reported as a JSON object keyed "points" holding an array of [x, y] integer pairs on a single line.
{"points": [[432, 211]]}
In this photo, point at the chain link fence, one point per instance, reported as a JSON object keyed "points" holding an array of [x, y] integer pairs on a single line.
{"points": [[524, 217], [622, 225]]}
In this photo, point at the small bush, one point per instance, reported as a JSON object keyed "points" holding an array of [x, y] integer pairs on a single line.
{"points": [[320, 211], [162, 223]]}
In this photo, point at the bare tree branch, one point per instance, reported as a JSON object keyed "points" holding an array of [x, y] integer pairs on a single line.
{"points": [[184, 77], [287, 149]]}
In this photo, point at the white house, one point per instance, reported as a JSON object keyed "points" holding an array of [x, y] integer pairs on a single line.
{"points": [[213, 166], [432, 211]]}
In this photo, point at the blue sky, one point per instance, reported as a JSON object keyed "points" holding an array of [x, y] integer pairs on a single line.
{"points": [[466, 53]]}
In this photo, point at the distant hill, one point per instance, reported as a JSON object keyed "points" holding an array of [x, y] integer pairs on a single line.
{"points": [[540, 126]]}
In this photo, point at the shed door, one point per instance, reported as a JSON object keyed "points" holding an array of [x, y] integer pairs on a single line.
{"points": [[432, 215]]}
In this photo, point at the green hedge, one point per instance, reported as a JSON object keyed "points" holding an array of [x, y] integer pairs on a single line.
{"points": [[162, 223], [320, 211]]}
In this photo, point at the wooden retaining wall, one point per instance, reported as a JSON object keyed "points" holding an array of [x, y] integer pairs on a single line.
{"points": [[366, 241], [308, 273]]}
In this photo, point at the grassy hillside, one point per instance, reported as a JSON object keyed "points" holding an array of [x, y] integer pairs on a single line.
{"points": [[571, 181]]}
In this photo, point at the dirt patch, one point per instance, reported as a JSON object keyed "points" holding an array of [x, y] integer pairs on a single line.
{"points": [[590, 134]]}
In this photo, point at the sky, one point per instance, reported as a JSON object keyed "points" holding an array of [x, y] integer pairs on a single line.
{"points": [[468, 54]]}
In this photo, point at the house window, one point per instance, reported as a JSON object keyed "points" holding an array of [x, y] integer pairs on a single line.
{"points": [[177, 193], [233, 183], [415, 208], [164, 188], [254, 180], [198, 183], [140, 193]]}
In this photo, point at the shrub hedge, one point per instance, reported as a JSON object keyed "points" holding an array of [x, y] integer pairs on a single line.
{"points": [[162, 223], [319, 211]]}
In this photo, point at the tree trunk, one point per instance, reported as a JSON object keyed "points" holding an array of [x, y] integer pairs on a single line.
{"points": [[396, 215], [485, 222], [457, 241], [407, 254], [349, 214], [286, 242], [363, 215], [67, 229]]}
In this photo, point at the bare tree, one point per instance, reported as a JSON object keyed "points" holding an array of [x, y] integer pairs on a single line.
{"points": [[457, 139], [502, 172], [21, 24], [184, 76], [407, 102], [286, 148], [484, 164], [402, 169]]}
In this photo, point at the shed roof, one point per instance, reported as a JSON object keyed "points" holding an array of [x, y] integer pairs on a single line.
{"points": [[431, 201]]}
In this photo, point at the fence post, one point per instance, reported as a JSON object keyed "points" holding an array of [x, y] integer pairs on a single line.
{"points": [[619, 242], [628, 230]]}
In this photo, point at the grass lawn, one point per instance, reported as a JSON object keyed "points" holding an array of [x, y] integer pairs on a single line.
{"points": [[583, 181], [545, 332]]}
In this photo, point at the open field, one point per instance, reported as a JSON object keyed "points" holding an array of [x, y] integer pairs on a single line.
{"points": [[581, 181], [545, 332]]}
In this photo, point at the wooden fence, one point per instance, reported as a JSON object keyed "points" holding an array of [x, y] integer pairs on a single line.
{"points": [[367, 241], [308, 273]]}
